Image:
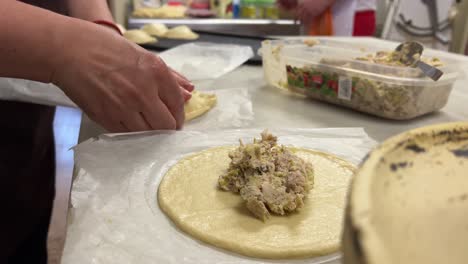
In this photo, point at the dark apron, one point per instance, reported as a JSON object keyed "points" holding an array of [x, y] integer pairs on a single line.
{"points": [[58, 6], [27, 169]]}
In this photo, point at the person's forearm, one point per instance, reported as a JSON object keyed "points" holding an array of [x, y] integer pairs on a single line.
{"points": [[31, 41], [89, 10], [36, 43]]}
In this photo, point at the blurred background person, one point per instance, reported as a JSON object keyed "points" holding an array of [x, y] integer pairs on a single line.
{"points": [[334, 17]]}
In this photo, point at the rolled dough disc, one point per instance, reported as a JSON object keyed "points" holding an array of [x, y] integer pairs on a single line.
{"points": [[199, 104], [188, 194], [139, 36], [181, 32]]}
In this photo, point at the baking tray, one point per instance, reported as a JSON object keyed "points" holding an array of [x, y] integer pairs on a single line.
{"points": [[254, 42]]}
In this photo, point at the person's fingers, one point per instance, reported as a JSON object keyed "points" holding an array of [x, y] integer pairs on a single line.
{"points": [[171, 94], [134, 121], [178, 74], [187, 95], [167, 91], [159, 117], [182, 81]]}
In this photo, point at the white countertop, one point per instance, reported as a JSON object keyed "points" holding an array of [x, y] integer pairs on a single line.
{"points": [[274, 108]]}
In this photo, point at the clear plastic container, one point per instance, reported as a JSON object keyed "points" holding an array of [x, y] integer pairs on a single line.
{"points": [[328, 71]]}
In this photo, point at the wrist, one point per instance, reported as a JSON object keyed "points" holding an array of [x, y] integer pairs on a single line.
{"points": [[76, 40], [88, 49]]}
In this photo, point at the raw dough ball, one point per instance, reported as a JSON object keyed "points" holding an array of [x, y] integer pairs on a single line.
{"points": [[157, 30], [189, 195], [139, 36], [199, 104], [181, 32]]}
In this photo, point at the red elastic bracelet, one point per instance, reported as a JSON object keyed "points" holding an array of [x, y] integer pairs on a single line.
{"points": [[109, 24]]}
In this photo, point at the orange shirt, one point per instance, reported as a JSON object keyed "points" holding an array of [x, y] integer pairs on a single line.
{"points": [[323, 24]]}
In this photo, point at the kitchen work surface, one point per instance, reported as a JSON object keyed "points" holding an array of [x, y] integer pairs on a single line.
{"points": [[273, 108]]}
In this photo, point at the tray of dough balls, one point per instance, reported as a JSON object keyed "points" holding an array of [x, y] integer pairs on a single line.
{"points": [[160, 37]]}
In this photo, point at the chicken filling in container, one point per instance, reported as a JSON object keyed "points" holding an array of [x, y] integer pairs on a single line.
{"points": [[364, 79]]}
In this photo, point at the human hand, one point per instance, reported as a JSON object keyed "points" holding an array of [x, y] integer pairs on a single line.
{"points": [[120, 85], [306, 10], [186, 85], [287, 4]]}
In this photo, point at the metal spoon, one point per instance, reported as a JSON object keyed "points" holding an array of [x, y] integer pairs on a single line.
{"points": [[410, 55]]}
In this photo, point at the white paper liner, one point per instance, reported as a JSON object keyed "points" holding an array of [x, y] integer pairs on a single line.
{"points": [[33, 92], [115, 217], [201, 61], [233, 109]]}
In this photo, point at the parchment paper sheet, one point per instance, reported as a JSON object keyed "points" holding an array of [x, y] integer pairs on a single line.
{"points": [[115, 217]]}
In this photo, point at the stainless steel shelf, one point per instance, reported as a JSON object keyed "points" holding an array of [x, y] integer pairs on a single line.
{"points": [[253, 27]]}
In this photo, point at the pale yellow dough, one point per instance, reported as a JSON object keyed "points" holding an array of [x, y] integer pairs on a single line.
{"points": [[164, 11], [139, 36], [409, 200], [158, 30], [181, 32], [188, 194], [199, 104]]}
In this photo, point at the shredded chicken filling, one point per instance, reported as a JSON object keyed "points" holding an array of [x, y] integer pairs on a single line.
{"points": [[393, 58], [268, 176]]}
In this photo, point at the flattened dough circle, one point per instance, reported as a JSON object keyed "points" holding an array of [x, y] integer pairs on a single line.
{"points": [[199, 104], [188, 194]]}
